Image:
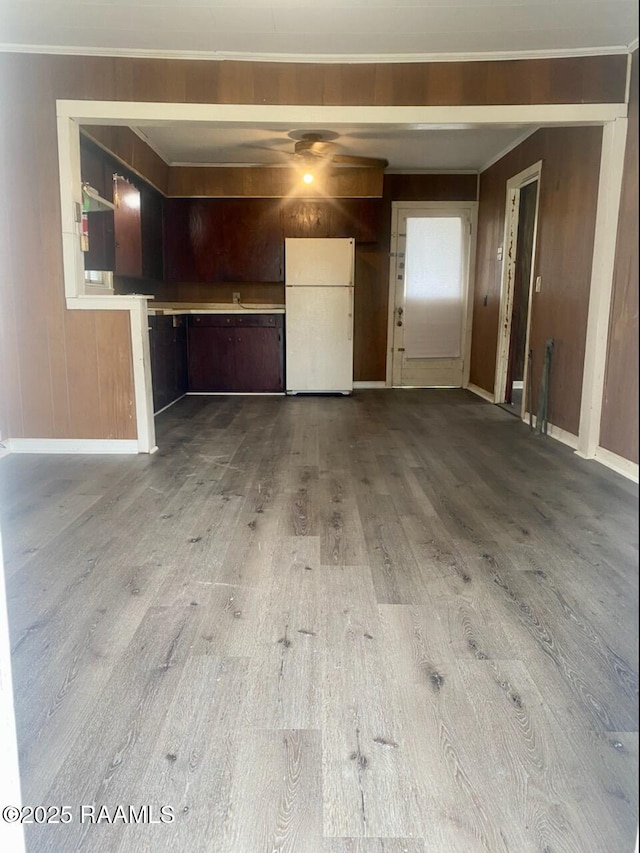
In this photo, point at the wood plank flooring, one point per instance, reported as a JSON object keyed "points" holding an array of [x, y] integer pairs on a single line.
{"points": [[391, 623]]}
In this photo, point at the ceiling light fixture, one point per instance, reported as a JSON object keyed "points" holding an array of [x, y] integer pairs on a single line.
{"points": [[307, 178]]}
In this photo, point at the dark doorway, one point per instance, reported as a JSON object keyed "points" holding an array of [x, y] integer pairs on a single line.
{"points": [[521, 285]]}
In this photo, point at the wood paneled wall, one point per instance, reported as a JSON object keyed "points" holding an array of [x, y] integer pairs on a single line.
{"points": [[265, 182], [52, 358], [589, 79], [619, 427], [66, 374], [566, 224]]}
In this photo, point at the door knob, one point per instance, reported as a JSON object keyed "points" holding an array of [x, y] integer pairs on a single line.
{"points": [[399, 323]]}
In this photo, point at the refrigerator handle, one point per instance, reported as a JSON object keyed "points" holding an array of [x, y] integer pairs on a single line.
{"points": [[350, 333]]}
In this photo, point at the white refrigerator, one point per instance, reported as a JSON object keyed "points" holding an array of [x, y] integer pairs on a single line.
{"points": [[319, 276]]}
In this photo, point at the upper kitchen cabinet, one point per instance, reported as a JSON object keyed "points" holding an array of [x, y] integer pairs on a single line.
{"points": [[253, 242], [306, 219], [96, 168], [358, 218], [151, 218], [127, 228], [193, 245], [223, 240], [128, 239]]}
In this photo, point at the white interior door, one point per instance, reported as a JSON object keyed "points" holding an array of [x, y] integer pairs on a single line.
{"points": [[429, 321]]}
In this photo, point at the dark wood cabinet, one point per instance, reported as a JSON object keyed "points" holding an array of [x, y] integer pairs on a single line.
{"points": [[102, 247], [236, 353], [96, 168], [230, 240], [127, 229], [242, 240], [253, 245], [192, 240], [168, 345], [127, 240], [151, 218]]}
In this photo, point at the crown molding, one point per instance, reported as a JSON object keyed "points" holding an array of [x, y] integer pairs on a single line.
{"points": [[324, 58], [431, 171]]}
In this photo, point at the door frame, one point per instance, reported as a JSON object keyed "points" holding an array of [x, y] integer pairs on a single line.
{"points": [[509, 250], [471, 209]]}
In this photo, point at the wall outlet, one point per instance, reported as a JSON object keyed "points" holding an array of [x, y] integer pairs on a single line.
{"points": [[236, 298], [499, 253]]}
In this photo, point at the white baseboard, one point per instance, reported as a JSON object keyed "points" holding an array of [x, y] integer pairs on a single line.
{"points": [[71, 445], [559, 434], [4, 448], [480, 392], [617, 463], [235, 394], [369, 384], [168, 406]]}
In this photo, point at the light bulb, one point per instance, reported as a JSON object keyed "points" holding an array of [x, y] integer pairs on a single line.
{"points": [[308, 178]]}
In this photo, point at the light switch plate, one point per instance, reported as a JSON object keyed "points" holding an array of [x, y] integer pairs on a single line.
{"points": [[538, 283], [499, 253]]}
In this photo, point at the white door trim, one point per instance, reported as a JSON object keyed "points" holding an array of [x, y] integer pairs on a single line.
{"points": [[509, 244], [614, 139], [471, 209], [148, 112]]}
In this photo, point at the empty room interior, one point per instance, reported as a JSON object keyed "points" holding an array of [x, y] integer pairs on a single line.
{"points": [[319, 427]]}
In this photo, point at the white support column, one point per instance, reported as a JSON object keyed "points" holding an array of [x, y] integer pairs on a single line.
{"points": [[11, 836], [143, 388], [614, 139], [70, 200]]}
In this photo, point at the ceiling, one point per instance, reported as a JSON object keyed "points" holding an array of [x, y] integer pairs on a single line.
{"points": [[405, 147], [359, 29]]}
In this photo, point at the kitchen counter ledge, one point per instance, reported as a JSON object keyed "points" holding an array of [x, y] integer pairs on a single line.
{"points": [[214, 308]]}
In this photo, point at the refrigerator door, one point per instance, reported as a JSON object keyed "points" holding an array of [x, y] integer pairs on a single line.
{"points": [[319, 262], [319, 325]]}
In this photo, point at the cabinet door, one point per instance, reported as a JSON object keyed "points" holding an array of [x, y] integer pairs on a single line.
{"points": [[258, 359], [101, 254], [193, 239], [182, 368], [252, 236], [211, 358], [307, 219], [127, 228], [92, 168], [151, 233]]}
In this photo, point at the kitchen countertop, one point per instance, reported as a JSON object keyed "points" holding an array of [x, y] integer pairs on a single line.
{"points": [[214, 308]]}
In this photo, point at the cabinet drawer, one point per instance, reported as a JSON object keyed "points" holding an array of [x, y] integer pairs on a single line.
{"points": [[233, 320]]}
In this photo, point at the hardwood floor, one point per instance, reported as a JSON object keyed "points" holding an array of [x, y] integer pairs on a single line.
{"points": [[392, 623]]}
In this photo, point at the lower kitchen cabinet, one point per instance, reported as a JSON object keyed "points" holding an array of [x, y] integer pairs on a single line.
{"points": [[236, 353], [168, 345]]}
